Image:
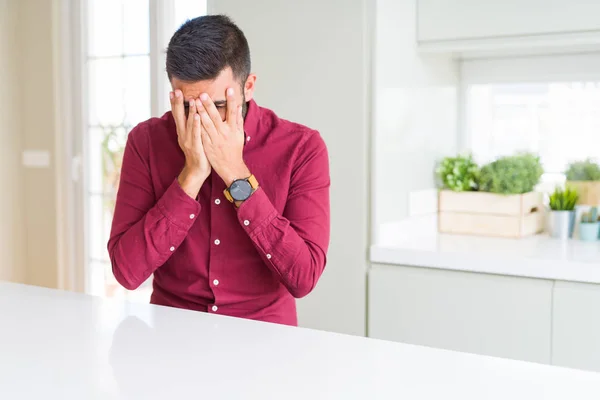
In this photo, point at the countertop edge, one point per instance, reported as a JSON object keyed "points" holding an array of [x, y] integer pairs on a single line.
{"points": [[509, 266]]}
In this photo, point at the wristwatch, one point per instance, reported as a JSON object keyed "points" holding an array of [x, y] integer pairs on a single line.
{"points": [[241, 189]]}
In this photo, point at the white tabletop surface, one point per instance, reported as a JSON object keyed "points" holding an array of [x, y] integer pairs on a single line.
{"points": [[60, 345], [416, 242]]}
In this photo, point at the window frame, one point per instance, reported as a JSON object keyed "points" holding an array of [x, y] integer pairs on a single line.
{"points": [[72, 82]]}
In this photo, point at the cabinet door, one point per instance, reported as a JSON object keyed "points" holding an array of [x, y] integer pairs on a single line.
{"points": [[477, 313], [440, 20], [576, 326]]}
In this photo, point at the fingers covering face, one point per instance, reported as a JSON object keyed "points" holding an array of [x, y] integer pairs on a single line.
{"points": [[178, 109]]}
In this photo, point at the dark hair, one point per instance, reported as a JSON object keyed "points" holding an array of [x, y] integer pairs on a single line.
{"points": [[204, 46]]}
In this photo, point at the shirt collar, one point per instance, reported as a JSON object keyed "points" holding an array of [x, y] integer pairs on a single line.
{"points": [[252, 121]]}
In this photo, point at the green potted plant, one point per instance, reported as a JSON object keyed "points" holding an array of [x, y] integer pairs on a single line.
{"points": [[589, 229], [496, 200], [516, 174], [585, 177], [459, 174], [562, 214]]}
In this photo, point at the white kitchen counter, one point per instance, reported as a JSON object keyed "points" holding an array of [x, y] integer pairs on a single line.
{"points": [[60, 345], [416, 242]]}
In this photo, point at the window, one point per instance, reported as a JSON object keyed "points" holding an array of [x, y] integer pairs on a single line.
{"points": [[519, 105], [560, 121], [122, 54]]}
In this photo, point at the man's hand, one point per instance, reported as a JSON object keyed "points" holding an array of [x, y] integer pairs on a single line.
{"points": [[197, 168], [224, 140]]}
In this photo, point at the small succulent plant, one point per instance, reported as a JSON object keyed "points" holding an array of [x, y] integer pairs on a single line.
{"points": [[564, 199], [590, 217], [583, 171], [459, 174]]}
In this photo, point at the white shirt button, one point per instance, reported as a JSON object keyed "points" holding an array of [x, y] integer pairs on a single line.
{"points": [[216, 282], [172, 248], [246, 222], [269, 256], [215, 308], [217, 242], [248, 139], [217, 201], [192, 216]]}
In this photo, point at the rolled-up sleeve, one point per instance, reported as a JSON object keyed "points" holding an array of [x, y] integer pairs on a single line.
{"points": [[145, 231], [294, 244]]}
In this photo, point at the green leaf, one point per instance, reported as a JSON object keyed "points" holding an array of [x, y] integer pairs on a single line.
{"points": [[459, 173], [564, 199]]}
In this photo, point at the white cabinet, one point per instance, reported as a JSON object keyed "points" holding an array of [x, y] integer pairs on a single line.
{"points": [[472, 19], [490, 24], [485, 314], [576, 326]]}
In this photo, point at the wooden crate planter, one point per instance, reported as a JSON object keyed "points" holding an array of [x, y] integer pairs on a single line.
{"points": [[589, 192], [488, 214]]}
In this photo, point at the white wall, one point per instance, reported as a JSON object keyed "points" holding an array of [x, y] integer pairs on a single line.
{"points": [[28, 234], [415, 111], [443, 20], [36, 82], [12, 239], [313, 66]]}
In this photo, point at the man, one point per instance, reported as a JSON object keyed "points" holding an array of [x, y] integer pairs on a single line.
{"points": [[224, 202]]}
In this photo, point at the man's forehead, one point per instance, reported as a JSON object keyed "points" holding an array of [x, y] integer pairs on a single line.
{"points": [[215, 88], [194, 90]]}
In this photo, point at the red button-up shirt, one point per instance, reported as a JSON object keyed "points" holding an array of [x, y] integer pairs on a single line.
{"points": [[206, 254]]}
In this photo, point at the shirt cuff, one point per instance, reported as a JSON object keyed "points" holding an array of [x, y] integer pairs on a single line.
{"points": [[178, 207], [256, 212]]}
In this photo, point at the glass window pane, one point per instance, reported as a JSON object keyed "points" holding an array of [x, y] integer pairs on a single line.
{"points": [[113, 147], [108, 209], [560, 121], [119, 90], [137, 89], [106, 93], [136, 27], [97, 251], [95, 178], [106, 146], [118, 97], [105, 27]]}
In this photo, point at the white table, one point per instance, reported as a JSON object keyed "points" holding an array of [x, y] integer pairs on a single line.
{"points": [[60, 345]]}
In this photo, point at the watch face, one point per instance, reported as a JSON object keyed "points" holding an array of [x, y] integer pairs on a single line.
{"points": [[240, 190]]}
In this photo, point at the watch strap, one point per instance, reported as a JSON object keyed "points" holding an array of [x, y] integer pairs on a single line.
{"points": [[228, 195], [253, 182]]}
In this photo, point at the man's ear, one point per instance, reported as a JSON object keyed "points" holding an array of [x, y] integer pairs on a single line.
{"points": [[249, 87]]}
